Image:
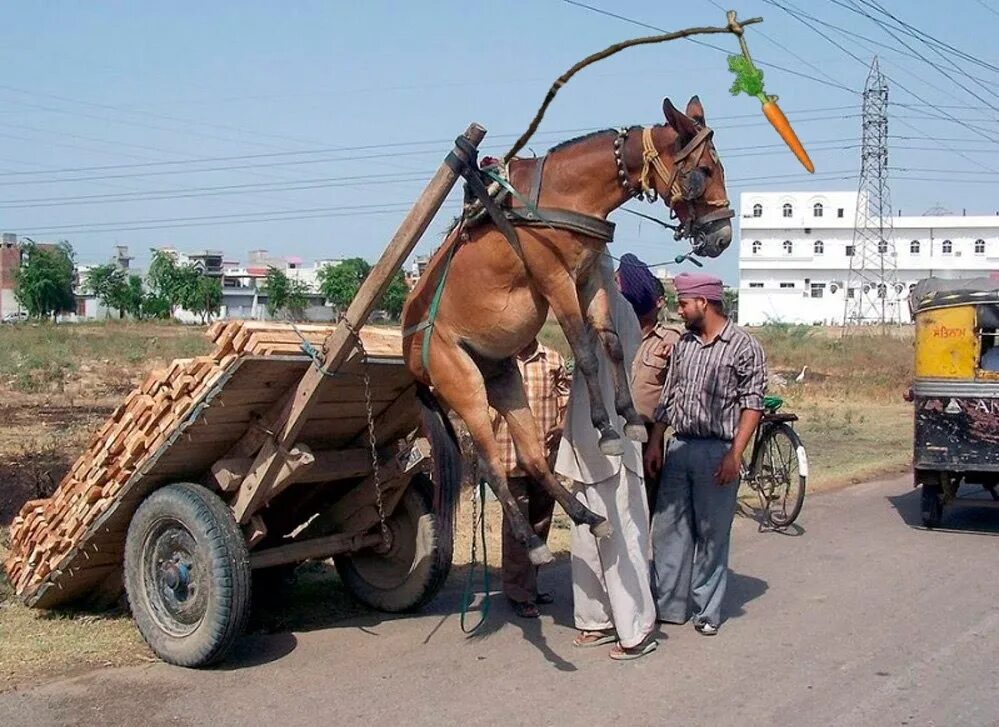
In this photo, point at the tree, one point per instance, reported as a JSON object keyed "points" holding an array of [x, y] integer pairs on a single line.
{"points": [[298, 298], [134, 296], [276, 286], [44, 284], [203, 296], [730, 299], [110, 285], [339, 283], [395, 296]]}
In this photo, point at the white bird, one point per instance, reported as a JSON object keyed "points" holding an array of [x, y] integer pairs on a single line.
{"points": [[800, 378]]}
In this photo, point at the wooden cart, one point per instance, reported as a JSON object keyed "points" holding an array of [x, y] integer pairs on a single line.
{"points": [[266, 454]]}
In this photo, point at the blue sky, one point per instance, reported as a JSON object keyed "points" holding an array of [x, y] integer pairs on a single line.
{"points": [[130, 94]]}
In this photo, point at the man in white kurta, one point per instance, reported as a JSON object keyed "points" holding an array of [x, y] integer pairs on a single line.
{"points": [[612, 596]]}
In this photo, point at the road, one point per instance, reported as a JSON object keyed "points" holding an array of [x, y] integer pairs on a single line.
{"points": [[861, 618]]}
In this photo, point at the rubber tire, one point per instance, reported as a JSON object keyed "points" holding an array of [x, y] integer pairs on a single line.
{"points": [[930, 505], [221, 543], [774, 431], [430, 564]]}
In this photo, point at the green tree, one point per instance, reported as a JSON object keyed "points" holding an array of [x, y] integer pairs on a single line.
{"points": [[730, 299], [395, 296], [339, 283], [134, 296], [44, 284], [298, 299], [277, 287], [166, 280], [201, 295], [109, 283]]}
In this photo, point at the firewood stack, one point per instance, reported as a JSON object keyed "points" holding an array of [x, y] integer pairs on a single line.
{"points": [[45, 531]]}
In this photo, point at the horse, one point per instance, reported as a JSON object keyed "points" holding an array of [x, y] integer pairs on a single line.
{"points": [[486, 295]]}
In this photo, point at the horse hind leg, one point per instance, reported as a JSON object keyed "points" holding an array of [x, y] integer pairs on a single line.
{"points": [[459, 383], [506, 395]]}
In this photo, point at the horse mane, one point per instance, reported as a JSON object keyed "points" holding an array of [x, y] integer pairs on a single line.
{"points": [[585, 137]]}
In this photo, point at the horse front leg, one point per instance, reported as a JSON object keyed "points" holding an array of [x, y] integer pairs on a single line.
{"points": [[563, 297], [595, 295], [507, 396]]}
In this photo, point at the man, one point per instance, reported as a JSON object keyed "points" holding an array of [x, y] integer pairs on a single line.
{"points": [[546, 383], [612, 598], [713, 399], [648, 371]]}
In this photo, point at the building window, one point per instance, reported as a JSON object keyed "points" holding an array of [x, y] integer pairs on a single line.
{"points": [[849, 250], [979, 247], [820, 247], [882, 247], [817, 209], [757, 210], [786, 286], [788, 209], [757, 246], [788, 247], [851, 293], [947, 248], [839, 212], [914, 247], [818, 290], [756, 285]]}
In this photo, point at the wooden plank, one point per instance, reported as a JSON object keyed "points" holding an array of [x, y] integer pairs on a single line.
{"points": [[329, 466], [314, 548]]}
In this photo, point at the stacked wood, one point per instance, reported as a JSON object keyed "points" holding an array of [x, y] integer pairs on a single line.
{"points": [[46, 531]]}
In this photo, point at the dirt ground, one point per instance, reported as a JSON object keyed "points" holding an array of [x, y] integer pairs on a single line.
{"points": [[59, 383]]}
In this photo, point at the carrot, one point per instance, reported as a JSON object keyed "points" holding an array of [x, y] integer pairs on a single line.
{"points": [[779, 121], [749, 80]]}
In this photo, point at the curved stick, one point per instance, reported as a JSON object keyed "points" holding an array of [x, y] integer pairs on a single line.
{"points": [[735, 27]]}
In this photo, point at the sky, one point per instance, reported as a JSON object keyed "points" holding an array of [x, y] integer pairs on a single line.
{"points": [[309, 128]]}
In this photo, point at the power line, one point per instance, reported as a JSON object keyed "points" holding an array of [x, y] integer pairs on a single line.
{"points": [[726, 51]]}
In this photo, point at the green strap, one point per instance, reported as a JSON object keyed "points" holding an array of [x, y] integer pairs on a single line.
{"points": [[505, 183], [466, 598]]}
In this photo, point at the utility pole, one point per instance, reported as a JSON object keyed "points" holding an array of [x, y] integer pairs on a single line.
{"points": [[872, 293]]}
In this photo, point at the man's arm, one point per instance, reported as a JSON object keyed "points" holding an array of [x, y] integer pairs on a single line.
{"points": [[751, 385], [654, 449]]}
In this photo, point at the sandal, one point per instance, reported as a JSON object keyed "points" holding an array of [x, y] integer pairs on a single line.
{"points": [[589, 639], [525, 609], [621, 653]]}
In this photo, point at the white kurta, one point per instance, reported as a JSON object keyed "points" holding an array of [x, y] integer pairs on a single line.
{"points": [[610, 577]]}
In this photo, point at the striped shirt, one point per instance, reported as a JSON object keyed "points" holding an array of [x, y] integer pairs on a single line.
{"points": [[546, 382], [709, 384]]}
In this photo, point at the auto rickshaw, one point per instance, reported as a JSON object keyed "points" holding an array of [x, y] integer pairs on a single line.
{"points": [[956, 390]]}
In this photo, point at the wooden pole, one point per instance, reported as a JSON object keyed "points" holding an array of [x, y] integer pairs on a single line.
{"points": [[339, 346]]}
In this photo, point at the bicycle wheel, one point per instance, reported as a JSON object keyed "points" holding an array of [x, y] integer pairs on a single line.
{"points": [[780, 468]]}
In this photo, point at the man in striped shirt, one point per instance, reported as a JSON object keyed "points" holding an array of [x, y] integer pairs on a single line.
{"points": [[713, 399], [546, 383]]}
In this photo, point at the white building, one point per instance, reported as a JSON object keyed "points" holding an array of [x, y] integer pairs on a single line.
{"points": [[795, 248]]}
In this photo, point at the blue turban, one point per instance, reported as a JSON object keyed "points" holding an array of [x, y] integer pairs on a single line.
{"points": [[638, 285]]}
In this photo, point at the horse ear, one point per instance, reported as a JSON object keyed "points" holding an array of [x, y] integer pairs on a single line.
{"points": [[682, 123], [695, 110]]}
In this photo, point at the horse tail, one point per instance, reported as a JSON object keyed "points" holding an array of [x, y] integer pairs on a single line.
{"points": [[447, 462]]}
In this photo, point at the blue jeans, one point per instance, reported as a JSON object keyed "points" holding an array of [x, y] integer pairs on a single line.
{"points": [[691, 529]]}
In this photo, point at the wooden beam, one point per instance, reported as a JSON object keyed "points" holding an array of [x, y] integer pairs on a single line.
{"points": [[254, 493], [330, 465], [341, 344], [314, 548]]}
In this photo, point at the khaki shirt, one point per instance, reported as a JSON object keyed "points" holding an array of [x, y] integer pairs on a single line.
{"points": [[648, 370]]}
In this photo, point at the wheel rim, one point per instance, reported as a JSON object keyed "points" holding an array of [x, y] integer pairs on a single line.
{"points": [[175, 578], [780, 479], [388, 568]]}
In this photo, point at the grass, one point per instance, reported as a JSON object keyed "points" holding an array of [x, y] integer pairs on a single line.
{"points": [[58, 383]]}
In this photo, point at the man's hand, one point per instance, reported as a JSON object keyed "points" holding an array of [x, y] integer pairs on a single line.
{"points": [[728, 470], [653, 458]]}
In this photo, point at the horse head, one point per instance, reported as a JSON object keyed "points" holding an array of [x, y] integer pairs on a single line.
{"points": [[697, 193]]}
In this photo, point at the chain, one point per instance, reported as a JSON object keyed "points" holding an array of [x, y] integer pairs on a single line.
{"points": [[372, 439]]}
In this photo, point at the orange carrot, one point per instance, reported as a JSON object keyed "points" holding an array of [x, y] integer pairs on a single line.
{"points": [[779, 121]]}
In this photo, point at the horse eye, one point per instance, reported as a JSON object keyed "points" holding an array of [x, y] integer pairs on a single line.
{"points": [[706, 171]]}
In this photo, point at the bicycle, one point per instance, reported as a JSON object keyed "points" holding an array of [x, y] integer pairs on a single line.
{"points": [[777, 466]]}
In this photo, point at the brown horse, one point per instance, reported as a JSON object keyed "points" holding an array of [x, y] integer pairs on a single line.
{"points": [[498, 290]]}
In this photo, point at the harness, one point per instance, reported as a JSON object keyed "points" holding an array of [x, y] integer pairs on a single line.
{"points": [[493, 202]]}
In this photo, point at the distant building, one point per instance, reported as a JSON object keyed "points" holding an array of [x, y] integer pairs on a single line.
{"points": [[795, 250]]}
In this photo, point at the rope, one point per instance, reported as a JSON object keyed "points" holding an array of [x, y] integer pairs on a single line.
{"points": [[466, 598]]}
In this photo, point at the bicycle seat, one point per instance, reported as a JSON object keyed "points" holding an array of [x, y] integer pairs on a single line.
{"points": [[772, 416]]}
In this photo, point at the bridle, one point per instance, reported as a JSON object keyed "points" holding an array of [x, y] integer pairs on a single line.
{"points": [[685, 182]]}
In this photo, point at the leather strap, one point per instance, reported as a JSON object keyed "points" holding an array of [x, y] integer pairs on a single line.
{"points": [[595, 227]]}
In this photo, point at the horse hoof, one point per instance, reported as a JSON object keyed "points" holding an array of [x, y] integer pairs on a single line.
{"points": [[611, 446], [601, 530], [540, 555], [636, 433]]}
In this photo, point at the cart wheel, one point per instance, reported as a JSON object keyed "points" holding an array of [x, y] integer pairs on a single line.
{"points": [[414, 568], [931, 505], [187, 575]]}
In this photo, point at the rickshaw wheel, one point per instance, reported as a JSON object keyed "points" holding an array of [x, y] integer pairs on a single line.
{"points": [[931, 505]]}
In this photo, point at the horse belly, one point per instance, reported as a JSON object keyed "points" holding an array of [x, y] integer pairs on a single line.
{"points": [[499, 334]]}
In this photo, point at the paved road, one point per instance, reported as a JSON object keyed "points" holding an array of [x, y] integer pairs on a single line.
{"points": [[863, 618]]}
